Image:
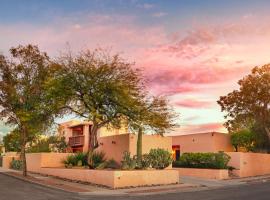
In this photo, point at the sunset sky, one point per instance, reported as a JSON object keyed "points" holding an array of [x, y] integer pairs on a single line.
{"points": [[193, 51]]}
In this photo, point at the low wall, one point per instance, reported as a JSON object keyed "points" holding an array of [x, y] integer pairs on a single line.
{"points": [[116, 178], [219, 174], [35, 161], [249, 164], [6, 160]]}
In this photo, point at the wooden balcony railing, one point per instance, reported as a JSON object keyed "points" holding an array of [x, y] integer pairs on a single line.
{"points": [[76, 141]]}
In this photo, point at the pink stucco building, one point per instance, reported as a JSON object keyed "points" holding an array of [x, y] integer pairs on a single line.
{"points": [[201, 142], [113, 142]]}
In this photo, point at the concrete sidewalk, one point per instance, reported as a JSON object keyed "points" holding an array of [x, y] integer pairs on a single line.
{"points": [[187, 184], [90, 189]]}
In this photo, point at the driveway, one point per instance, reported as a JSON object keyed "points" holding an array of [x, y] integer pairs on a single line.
{"points": [[12, 188]]}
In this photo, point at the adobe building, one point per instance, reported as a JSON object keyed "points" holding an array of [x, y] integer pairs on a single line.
{"points": [[113, 142], [201, 142]]}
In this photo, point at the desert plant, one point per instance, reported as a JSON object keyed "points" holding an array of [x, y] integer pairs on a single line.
{"points": [[128, 162], [112, 164], [160, 158], [16, 164], [95, 159], [145, 161]]}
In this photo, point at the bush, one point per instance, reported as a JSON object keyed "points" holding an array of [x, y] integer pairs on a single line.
{"points": [[78, 159], [95, 159], [203, 160], [16, 164], [128, 163], [112, 164], [160, 158], [146, 161]]}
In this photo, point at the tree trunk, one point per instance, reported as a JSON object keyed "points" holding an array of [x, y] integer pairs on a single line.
{"points": [[93, 138], [23, 157], [267, 130], [93, 144], [139, 148]]}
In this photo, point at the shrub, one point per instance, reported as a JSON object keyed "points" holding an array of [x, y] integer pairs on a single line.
{"points": [[160, 158], [128, 163], [16, 164], [112, 164], [95, 159], [203, 160], [78, 159], [146, 161]]}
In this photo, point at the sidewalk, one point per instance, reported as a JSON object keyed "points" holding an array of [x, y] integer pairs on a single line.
{"points": [[187, 184], [89, 189]]}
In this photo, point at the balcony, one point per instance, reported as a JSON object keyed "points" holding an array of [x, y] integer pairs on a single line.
{"points": [[76, 141]]}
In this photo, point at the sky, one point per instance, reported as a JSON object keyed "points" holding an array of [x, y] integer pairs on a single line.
{"points": [[192, 51]]}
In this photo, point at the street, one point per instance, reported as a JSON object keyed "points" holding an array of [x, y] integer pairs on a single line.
{"points": [[12, 188]]}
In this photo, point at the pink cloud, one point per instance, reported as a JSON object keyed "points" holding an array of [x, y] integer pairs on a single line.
{"points": [[199, 128], [192, 103]]}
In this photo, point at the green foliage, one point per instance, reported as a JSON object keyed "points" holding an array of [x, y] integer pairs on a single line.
{"points": [[50, 144], [243, 139], [16, 164], [77, 159], [23, 100], [128, 163], [112, 164], [160, 158], [12, 141], [99, 87], [95, 159], [146, 161], [203, 160], [250, 105]]}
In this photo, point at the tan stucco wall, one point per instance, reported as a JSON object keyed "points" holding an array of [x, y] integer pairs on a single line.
{"points": [[7, 160], [114, 146], [150, 142], [250, 164], [223, 142], [218, 174], [116, 179], [37, 160], [203, 142]]}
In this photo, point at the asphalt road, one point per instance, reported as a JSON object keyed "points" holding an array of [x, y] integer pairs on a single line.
{"points": [[12, 188]]}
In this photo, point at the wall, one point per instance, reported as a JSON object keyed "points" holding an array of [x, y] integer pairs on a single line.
{"points": [[218, 174], [150, 142], [203, 142], [37, 160], [116, 179], [7, 160], [249, 164], [223, 142], [114, 146]]}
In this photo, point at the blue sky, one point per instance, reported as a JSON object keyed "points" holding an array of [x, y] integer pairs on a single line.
{"points": [[192, 51]]}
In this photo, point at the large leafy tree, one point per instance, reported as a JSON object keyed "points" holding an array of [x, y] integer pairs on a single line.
{"points": [[23, 100], [101, 88], [250, 104]]}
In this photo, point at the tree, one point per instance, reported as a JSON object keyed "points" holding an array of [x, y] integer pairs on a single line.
{"points": [[12, 141], [101, 88], [23, 98], [250, 103], [243, 139], [154, 115]]}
